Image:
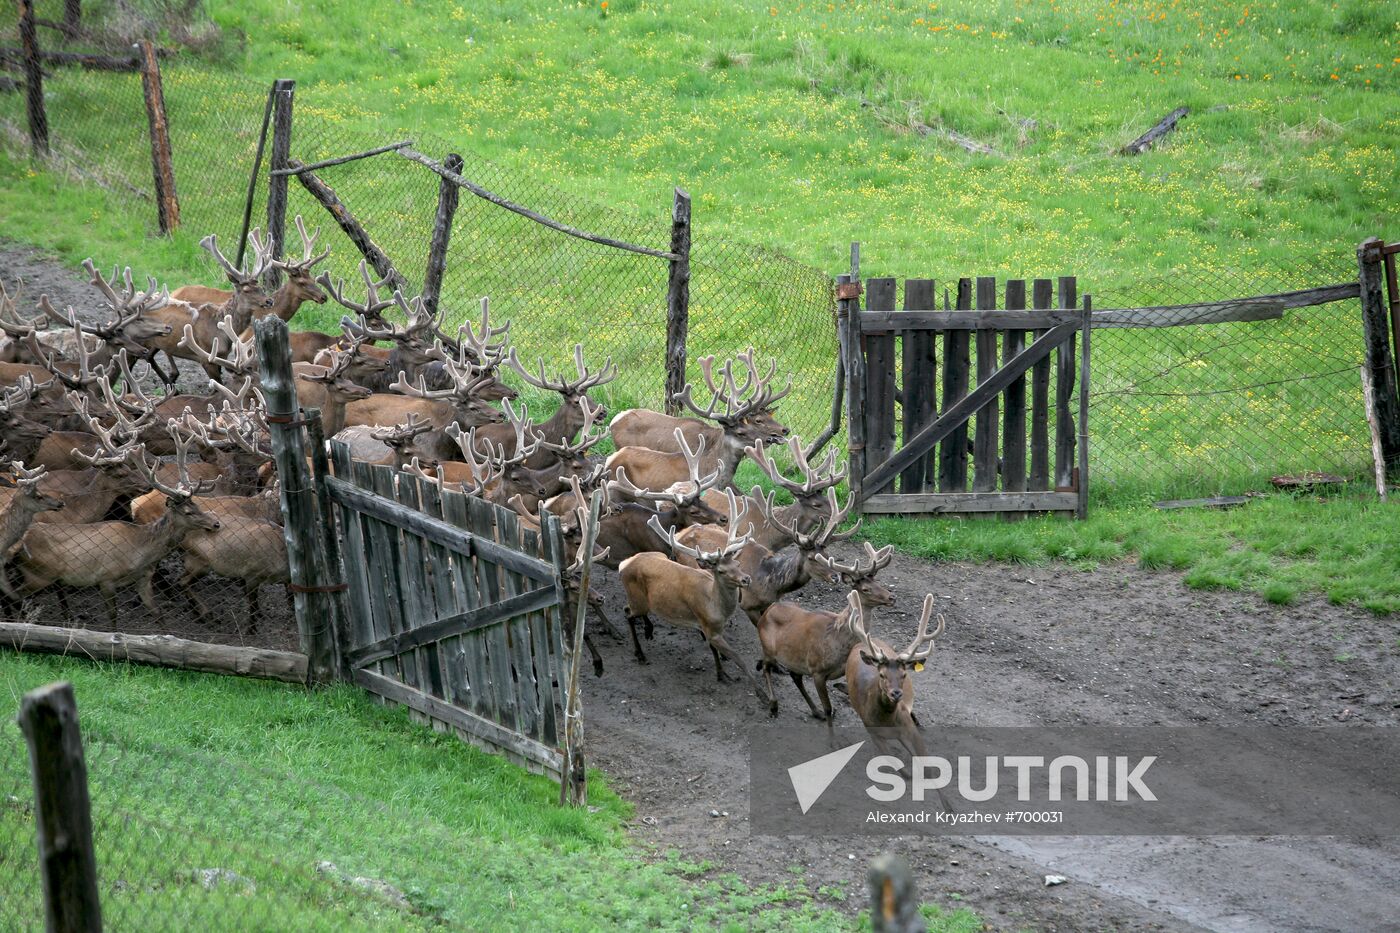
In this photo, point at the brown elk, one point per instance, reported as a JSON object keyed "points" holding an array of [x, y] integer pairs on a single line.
{"points": [[400, 439], [657, 469], [247, 298], [29, 500], [752, 402], [879, 684], [337, 391], [775, 573], [415, 343], [815, 643], [576, 410], [111, 554], [702, 599], [776, 528], [459, 403], [248, 549]]}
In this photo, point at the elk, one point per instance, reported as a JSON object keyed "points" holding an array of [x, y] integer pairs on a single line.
{"points": [[29, 500], [775, 528], [459, 403], [298, 288], [702, 599], [366, 367], [815, 643], [485, 352], [879, 684], [400, 438], [657, 469], [415, 344], [108, 555], [562, 460], [239, 547], [750, 403], [20, 435], [337, 391], [573, 413], [247, 298], [775, 573]]}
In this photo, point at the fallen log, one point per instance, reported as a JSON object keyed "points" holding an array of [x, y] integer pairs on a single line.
{"points": [[160, 650], [1149, 139]]}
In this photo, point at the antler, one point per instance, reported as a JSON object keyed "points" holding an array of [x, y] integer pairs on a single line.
{"points": [[242, 358], [564, 449], [485, 349], [586, 379], [25, 477], [340, 361], [10, 321], [739, 401], [308, 250], [875, 562], [924, 636], [262, 256], [824, 535], [813, 481], [733, 541], [401, 435], [372, 307]]}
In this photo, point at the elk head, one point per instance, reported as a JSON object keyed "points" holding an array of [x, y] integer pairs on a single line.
{"points": [[725, 560], [573, 390], [300, 283], [27, 482], [859, 574], [745, 411], [893, 668]]}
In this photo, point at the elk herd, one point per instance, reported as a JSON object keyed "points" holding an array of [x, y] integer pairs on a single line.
{"points": [[107, 479]]}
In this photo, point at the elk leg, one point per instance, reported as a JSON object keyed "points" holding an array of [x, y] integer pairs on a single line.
{"points": [[827, 713], [250, 592], [636, 644], [721, 647], [802, 689], [64, 612], [195, 603], [768, 682], [720, 675], [909, 735], [109, 596], [593, 652], [597, 606]]}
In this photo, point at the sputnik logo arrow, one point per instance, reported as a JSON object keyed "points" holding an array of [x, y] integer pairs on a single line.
{"points": [[811, 778]]}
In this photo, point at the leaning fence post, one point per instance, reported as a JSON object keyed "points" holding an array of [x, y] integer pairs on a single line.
{"points": [[1378, 358], [33, 79], [311, 583], [282, 92], [894, 901], [573, 784], [253, 177], [678, 301], [162, 159], [62, 810], [448, 194]]}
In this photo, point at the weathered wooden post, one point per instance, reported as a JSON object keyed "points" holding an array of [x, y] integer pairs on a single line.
{"points": [[442, 234], [162, 158], [333, 572], [72, 16], [678, 301], [62, 810], [253, 177], [302, 522], [573, 784], [853, 348], [894, 901], [282, 93], [33, 80], [1378, 358], [1082, 480], [1064, 385]]}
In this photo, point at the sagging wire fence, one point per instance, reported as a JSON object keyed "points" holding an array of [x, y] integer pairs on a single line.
{"points": [[1182, 410]]}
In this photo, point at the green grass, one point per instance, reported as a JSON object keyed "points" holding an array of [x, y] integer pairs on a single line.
{"points": [[1281, 547], [194, 772]]}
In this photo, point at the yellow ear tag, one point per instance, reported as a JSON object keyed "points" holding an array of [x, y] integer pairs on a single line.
{"points": [[918, 665]]}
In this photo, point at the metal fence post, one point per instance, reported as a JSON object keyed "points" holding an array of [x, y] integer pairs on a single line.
{"points": [[62, 809], [311, 583], [162, 158], [33, 80], [678, 301], [282, 94], [1379, 360]]}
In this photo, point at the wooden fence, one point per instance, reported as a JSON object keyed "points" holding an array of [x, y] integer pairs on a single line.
{"points": [[454, 610], [892, 360]]}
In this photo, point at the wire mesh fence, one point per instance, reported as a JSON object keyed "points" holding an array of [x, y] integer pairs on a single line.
{"points": [[1209, 408], [191, 842]]}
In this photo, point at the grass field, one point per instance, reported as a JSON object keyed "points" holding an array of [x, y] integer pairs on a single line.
{"points": [[194, 772]]}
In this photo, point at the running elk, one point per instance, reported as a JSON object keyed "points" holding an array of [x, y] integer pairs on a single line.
{"points": [[879, 684]]}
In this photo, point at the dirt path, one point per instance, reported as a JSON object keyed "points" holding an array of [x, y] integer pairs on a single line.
{"points": [[1028, 645]]}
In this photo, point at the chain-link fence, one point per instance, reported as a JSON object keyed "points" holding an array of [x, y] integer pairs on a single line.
{"points": [[191, 842], [1179, 410]]}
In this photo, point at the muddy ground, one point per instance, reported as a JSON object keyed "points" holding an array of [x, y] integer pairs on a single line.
{"points": [[1024, 645], [1046, 645]]}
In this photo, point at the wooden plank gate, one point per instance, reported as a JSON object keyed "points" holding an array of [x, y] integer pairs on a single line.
{"points": [[1009, 346], [453, 610]]}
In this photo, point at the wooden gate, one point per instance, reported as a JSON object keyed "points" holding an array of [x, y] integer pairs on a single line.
{"points": [[453, 610], [1005, 344]]}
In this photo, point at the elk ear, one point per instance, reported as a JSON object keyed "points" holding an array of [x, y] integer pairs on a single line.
{"points": [[868, 658], [918, 666]]}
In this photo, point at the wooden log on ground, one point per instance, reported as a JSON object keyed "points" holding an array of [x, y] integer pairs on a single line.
{"points": [[1214, 502], [677, 301], [1149, 139], [48, 717], [375, 256], [158, 650]]}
